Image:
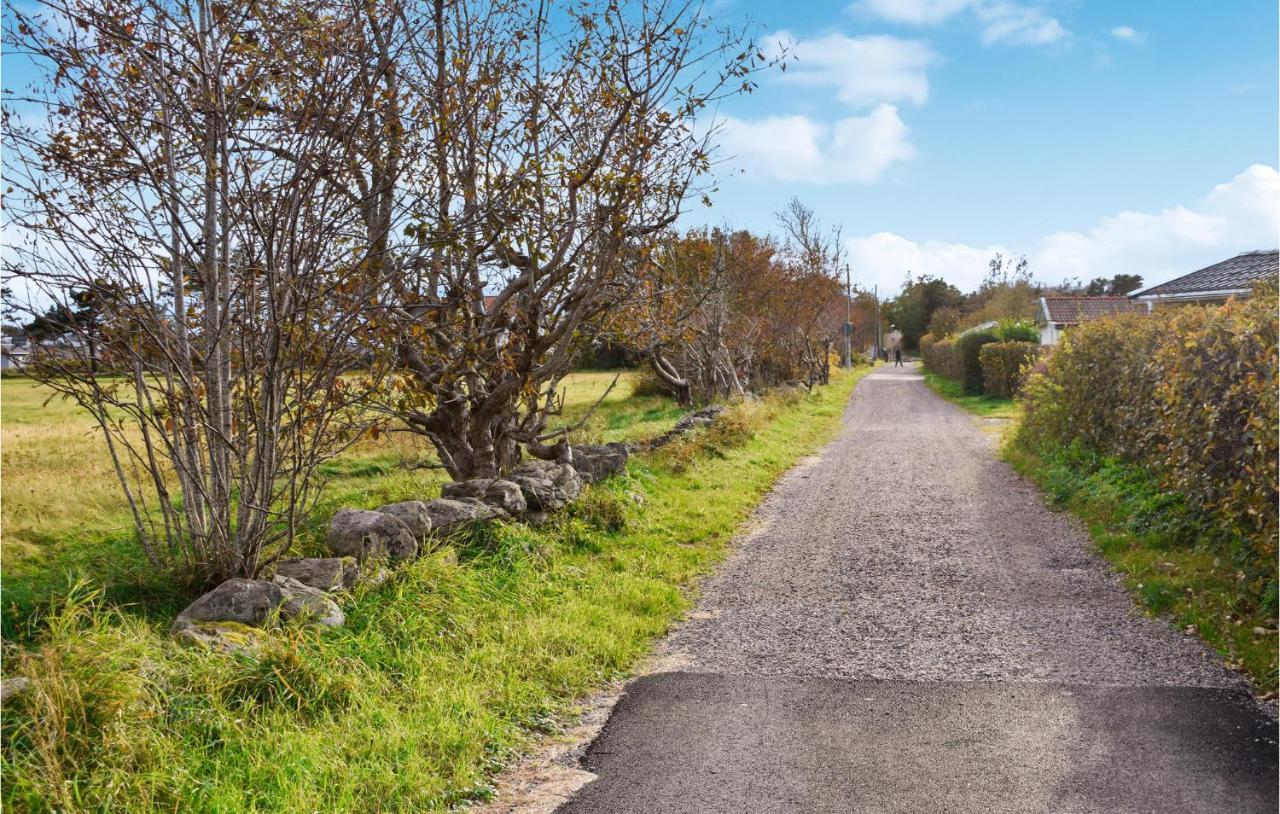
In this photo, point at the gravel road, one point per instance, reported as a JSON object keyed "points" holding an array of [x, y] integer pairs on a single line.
{"points": [[907, 550], [907, 568]]}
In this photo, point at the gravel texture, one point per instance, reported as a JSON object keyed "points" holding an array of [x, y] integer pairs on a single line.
{"points": [[906, 550]]}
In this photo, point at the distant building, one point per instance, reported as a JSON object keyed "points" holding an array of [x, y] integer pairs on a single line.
{"points": [[989, 325], [1215, 284], [1056, 314], [14, 353]]}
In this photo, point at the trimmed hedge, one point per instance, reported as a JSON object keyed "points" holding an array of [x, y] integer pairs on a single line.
{"points": [[968, 348], [941, 357], [1005, 366], [1191, 395]]}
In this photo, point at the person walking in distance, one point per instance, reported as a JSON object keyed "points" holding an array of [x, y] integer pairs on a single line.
{"points": [[894, 343]]}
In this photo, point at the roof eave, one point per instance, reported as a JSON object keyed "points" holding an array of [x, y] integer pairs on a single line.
{"points": [[1191, 295]]}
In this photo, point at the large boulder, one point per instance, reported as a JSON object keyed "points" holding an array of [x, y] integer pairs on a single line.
{"points": [[369, 535], [595, 462], [413, 513], [547, 485], [307, 604], [325, 573], [243, 601], [496, 492], [449, 515]]}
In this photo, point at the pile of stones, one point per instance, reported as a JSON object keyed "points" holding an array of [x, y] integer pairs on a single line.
{"points": [[364, 546], [697, 420]]}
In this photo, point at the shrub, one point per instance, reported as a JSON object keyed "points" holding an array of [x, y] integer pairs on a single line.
{"points": [[1005, 365], [1098, 388], [1190, 395], [1018, 330], [1218, 411], [943, 359], [967, 348]]}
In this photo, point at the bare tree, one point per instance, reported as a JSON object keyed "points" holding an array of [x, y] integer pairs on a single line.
{"points": [[559, 136], [187, 172], [682, 314]]}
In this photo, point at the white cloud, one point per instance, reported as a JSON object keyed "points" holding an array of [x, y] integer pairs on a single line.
{"points": [[1130, 35], [855, 149], [914, 12], [1001, 21], [1237, 216], [863, 70], [1240, 215], [1022, 25], [884, 259]]}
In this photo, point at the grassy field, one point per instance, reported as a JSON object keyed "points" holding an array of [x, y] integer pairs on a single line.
{"points": [[63, 517], [1161, 547], [439, 677]]}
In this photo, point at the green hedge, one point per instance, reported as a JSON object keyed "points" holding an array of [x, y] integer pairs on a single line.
{"points": [[1190, 394], [968, 348], [941, 357], [1005, 366]]}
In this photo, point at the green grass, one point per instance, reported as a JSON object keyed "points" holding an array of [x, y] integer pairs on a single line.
{"points": [[983, 406], [64, 519], [1175, 561], [439, 677]]}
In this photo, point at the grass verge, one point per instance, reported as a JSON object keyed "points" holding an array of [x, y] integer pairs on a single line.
{"points": [[439, 678], [1173, 559], [984, 406]]}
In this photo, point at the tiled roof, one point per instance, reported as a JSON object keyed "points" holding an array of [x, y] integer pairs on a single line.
{"points": [[1236, 274], [1072, 310]]}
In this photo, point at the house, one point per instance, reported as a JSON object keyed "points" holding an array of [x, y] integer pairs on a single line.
{"points": [[1058, 313], [989, 325], [1215, 284], [14, 352]]}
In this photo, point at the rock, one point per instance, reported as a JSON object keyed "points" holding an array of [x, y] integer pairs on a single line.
{"points": [[463, 489], [449, 515], [698, 418], [226, 637], [244, 601], [374, 574], [595, 462], [369, 535], [325, 573], [413, 513], [507, 496], [540, 494], [547, 485], [11, 688], [496, 492], [537, 519], [308, 604]]}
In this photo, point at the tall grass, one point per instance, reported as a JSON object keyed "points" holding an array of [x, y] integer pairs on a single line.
{"points": [[439, 677]]}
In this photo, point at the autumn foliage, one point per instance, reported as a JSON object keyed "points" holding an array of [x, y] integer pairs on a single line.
{"points": [[1188, 393]]}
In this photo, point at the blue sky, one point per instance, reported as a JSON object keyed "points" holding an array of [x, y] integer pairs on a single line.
{"points": [[1095, 137]]}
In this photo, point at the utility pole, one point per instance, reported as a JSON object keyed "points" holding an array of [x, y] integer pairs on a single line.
{"points": [[879, 338], [848, 317]]}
